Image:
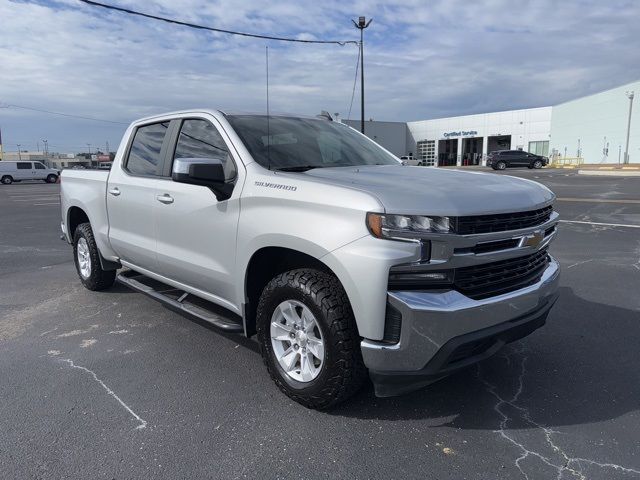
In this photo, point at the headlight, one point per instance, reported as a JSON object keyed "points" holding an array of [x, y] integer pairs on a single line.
{"points": [[405, 227]]}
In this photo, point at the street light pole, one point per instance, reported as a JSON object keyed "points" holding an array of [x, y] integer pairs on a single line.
{"points": [[361, 25], [630, 95], [19, 154], [46, 152]]}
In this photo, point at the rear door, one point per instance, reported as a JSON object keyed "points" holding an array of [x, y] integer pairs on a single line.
{"points": [[197, 233], [131, 195]]}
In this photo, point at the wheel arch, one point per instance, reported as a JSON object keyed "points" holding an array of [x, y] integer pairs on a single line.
{"points": [[264, 264], [77, 216]]}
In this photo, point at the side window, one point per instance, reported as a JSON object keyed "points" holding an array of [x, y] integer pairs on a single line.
{"points": [[144, 155], [39, 166], [200, 139], [24, 165]]}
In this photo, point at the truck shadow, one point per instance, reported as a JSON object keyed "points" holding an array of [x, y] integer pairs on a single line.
{"points": [[582, 367]]}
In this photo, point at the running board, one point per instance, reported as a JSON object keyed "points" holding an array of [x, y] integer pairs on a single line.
{"points": [[165, 294]]}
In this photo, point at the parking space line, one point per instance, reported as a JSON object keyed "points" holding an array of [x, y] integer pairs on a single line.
{"points": [[596, 200], [18, 197], [601, 224], [44, 199]]}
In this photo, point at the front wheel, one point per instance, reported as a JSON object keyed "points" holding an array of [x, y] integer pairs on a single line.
{"points": [[87, 260], [6, 180], [51, 178], [537, 164], [501, 166], [308, 338]]}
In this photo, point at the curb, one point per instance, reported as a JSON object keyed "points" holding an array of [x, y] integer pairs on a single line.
{"points": [[611, 173]]}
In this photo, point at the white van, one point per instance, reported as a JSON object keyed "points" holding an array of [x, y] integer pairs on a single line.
{"points": [[18, 171]]}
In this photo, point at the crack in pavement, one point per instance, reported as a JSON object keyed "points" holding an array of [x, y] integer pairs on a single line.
{"points": [[567, 463], [142, 423]]}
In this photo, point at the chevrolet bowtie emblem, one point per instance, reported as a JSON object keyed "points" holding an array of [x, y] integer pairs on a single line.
{"points": [[532, 240]]}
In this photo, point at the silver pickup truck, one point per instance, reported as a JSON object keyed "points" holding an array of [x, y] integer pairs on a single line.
{"points": [[300, 229]]}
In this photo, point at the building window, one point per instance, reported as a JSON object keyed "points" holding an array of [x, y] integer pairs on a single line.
{"points": [[539, 148], [427, 152]]}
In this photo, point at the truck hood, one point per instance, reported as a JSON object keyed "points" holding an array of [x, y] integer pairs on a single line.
{"points": [[437, 191]]}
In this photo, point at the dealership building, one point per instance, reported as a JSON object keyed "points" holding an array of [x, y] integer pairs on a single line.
{"points": [[591, 128]]}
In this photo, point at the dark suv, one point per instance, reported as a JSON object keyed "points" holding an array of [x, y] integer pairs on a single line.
{"points": [[501, 159]]}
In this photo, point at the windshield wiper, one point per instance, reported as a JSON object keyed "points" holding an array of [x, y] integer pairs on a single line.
{"points": [[298, 168]]}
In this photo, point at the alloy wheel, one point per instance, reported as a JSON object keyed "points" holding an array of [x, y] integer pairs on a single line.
{"points": [[84, 258], [296, 340]]}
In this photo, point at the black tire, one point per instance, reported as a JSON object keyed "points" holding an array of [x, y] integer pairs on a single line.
{"points": [[6, 180], [501, 165], [98, 279], [537, 164], [51, 178], [343, 372]]}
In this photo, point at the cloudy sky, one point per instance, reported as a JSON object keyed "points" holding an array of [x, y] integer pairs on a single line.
{"points": [[423, 59]]}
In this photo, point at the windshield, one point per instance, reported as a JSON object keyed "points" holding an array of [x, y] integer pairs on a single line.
{"points": [[299, 144]]}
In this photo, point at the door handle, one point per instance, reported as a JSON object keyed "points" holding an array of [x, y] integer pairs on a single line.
{"points": [[114, 191], [166, 198]]}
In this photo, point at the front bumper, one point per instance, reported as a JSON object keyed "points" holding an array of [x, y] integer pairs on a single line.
{"points": [[444, 331]]}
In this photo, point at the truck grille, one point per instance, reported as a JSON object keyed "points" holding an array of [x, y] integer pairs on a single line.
{"points": [[501, 222], [505, 276]]}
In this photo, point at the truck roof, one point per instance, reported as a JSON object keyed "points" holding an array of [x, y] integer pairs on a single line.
{"points": [[216, 112]]}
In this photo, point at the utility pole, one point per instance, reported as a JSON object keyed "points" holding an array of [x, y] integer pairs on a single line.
{"points": [[361, 25], [19, 154], [626, 148], [90, 161]]}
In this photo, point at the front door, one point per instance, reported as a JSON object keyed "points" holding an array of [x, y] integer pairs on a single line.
{"points": [[40, 171], [131, 196], [519, 158], [197, 233]]}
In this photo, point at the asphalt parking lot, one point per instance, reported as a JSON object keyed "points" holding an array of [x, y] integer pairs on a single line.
{"points": [[114, 385]]}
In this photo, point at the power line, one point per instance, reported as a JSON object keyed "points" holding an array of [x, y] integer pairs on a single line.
{"points": [[11, 105], [212, 29], [355, 80]]}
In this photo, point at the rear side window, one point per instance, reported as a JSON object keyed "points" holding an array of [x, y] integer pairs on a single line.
{"points": [[144, 155], [24, 165], [200, 139], [39, 166]]}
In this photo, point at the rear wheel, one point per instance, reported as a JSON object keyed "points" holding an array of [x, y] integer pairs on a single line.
{"points": [[87, 260], [52, 178], [537, 164], [501, 165], [6, 180], [308, 338]]}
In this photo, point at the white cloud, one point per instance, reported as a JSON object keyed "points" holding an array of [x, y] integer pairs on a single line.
{"points": [[423, 59]]}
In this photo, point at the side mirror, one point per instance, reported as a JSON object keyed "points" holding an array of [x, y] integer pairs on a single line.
{"points": [[208, 172]]}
